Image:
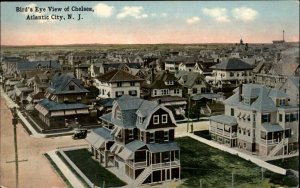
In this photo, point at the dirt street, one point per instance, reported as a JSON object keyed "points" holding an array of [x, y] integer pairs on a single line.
{"points": [[36, 172]]}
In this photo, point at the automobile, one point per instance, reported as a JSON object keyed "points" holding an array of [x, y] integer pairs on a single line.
{"points": [[79, 134]]}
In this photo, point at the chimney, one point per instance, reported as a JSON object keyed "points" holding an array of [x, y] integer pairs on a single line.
{"points": [[159, 101], [240, 92], [283, 35], [50, 65]]}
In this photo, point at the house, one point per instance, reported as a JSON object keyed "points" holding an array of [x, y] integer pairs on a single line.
{"points": [[193, 83], [30, 68], [137, 139], [64, 103], [186, 66], [258, 119], [168, 91], [116, 83], [230, 73]]}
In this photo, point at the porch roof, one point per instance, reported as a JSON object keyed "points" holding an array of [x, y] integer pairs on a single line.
{"points": [[271, 127], [155, 148], [228, 120], [130, 148], [98, 137]]}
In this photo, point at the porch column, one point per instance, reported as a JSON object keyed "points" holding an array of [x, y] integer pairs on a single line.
{"points": [[105, 158], [272, 137]]}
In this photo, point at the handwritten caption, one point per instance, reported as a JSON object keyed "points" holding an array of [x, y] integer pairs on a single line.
{"points": [[54, 13]]}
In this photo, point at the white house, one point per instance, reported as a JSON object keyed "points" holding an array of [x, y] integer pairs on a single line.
{"points": [[116, 83]]}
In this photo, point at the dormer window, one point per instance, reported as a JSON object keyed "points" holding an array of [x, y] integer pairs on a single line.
{"points": [[169, 82], [71, 87], [247, 101], [118, 114], [140, 119]]}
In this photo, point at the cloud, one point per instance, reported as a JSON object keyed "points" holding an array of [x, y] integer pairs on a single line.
{"points": [[244, 14], [193, 20], [219, 14], [164, 14], [133, 11], [103, 10]]}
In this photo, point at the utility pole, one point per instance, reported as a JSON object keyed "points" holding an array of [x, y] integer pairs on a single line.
{"points": [[187, 128], [262, 173], [15, 122]]}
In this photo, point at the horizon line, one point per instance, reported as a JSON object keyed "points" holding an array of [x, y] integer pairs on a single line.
{"points": [[74, 44]]}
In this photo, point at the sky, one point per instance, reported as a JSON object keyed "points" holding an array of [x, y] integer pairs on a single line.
{"points": [[149, 22]]}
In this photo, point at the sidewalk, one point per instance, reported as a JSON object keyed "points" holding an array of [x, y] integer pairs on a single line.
{"points": [[243, 155], [65, 170]]}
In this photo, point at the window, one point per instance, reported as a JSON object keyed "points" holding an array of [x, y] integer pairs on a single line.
{"points": [[164, 118], [231, 74], [176, 91], [287, 133], [155, 92], [281, 102], [265, 118], [71, 87], [118, 114], [131, 136], [79, 98], [166, 136], [246, 101], [152, 138], [262, 135], [140, 119], [232, 111], [133, 93], [132, 83], [119, 84], [194, 90], [248, 131], [164, 92], [240, 130], [169, 82], [156, 119], [287, 118], [280, 117], [142, 136], [119, 93]]}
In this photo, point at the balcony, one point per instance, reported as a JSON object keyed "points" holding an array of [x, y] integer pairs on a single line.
{"points": [[270, 142], [154, 166], [137, 164], [222, 132]]}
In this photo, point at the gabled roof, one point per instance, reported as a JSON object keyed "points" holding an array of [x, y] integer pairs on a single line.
{"points": [[190, 78], [262, 98], [161, 78], [32, 65], [232, 64], [118, 76], [61, 81]]}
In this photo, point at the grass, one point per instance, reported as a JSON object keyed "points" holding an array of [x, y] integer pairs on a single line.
{"points": [[92, 169], [58, 171], [288, 163], [72, 169], [214, 168]]}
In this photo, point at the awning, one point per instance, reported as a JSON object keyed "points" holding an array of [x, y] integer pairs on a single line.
{"points": [[114, 147], [100, 143], [82, 111], [114, 130], [271, 127], [70, 112], [57, 113], [126, 154]]}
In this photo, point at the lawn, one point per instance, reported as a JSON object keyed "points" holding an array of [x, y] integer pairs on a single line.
{"points": [[215, 168], [288, 163], [92, 169]]}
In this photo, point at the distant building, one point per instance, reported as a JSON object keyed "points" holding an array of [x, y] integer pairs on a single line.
{"points": [[230, 73]]}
